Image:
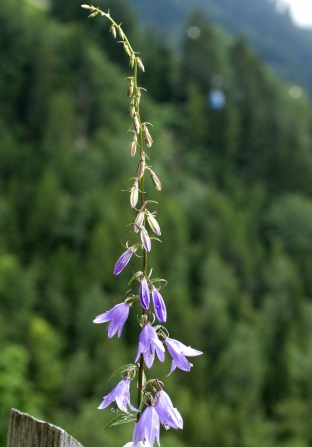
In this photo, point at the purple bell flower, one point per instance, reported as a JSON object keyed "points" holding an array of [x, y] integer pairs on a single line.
{"points": [[121, 395], [144, 294], [148, 344], [168, 415], [178, 351], [148, 427], [124, 259], [159, 306], [117, 317]]}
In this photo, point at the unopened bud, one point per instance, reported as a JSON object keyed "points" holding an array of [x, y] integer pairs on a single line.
{"points": [[131, 62], [134, 194], [113, 30], [155, 180], [153, 223], [141, 167], [147, 137], [121, 33], [146, 241], [137, 97], [130, 87], [140, 64], [86, 7], [139, 221], [136, 124], [133, 146], [93, 14], [126, 48]]}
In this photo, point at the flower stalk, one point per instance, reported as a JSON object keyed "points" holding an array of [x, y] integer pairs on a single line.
{"points": [[154, 408]]}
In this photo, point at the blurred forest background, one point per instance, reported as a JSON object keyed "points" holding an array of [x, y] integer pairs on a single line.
{"points": [[233, 150]]}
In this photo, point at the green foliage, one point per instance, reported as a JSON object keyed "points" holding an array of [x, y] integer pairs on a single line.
{"points": [[235, 215]]}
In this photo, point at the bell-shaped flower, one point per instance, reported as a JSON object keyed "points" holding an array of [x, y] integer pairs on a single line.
{"points": [[124, 259], [168, 415], [120, 394], [159, 306], [149, 343], [178, 351], [148, 427], [117, 317], [144, 294]]}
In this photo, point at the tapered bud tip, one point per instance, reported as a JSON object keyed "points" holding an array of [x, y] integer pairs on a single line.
{"points": [[86, 7]]}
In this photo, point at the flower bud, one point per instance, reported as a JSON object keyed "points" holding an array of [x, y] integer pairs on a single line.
{"points": [[147, 137], [133, 145], [155, 180], [121, 33], [137, 97], [134, 194], [93, 14], [140, 64], [146, 241], [153, 223], [141, 167], [126, 48], [131, 62], [139, 221], [144, 294], [113, 30], [136, 124], [159, 306], [130, 87], [86, 7], [132, 108]]}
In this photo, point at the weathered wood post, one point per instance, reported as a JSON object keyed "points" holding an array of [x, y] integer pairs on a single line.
{"points": [[26, 431]]}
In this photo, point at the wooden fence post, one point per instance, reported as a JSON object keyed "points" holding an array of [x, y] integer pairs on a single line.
{"points": [[26, 431]]}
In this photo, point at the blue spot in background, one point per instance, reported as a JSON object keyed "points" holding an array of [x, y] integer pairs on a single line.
{"points": [[216, 99]]}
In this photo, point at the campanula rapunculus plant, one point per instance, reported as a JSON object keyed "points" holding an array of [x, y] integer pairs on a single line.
{"points": [[154, 407]]}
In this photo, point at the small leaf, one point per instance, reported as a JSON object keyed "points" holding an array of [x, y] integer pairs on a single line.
{"points": [[135, 276], [123, 369], [155, 238], [121, 419], [158, 280]]}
